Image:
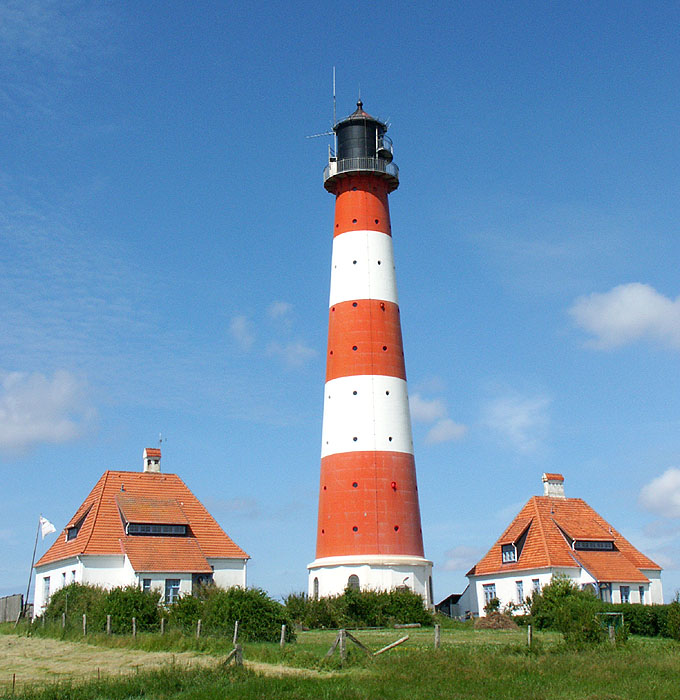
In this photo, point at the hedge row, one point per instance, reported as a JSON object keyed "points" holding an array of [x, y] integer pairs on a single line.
{"points": [[561, 601], [356, 608], [260, 618]]}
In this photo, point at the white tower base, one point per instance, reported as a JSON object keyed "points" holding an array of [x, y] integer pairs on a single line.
{"points": [[331, 575]]}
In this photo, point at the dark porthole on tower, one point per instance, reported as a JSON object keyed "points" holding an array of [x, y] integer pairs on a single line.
{"points": [[396, 528], [354, 485], [354, 304], [355, 529]]}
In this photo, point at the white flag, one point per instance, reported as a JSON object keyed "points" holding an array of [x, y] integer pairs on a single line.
{"points": [[46, 527]]}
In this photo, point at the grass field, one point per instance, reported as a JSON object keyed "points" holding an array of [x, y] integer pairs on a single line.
{"points": [[471, 664]]}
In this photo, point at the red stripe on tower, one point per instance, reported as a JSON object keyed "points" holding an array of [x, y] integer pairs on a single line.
{"points": [[369, 533]]}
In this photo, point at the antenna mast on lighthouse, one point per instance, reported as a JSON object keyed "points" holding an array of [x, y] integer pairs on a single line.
{"points": [[369, 533]]}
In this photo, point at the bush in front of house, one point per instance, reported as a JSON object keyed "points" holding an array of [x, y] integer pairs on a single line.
{"points": [[76, 600], [259, 617], [561, 605], [125, 603], [672, 628]]}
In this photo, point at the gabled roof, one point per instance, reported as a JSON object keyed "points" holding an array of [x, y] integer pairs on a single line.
{"points": [[546, 546], [147, 497]]}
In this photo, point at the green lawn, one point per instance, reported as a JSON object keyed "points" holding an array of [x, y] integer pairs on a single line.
{"points": [[471, 664]]}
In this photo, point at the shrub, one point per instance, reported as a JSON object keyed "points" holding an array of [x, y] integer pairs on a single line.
{"points": [[260, 618], [673, 620], [76, 600], [492, 606], [125, 603], [576, 618], [356, 608], [561, 605], [185, 612]]}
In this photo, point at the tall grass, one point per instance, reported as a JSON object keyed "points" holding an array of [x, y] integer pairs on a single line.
{"points": [[639, 671]]}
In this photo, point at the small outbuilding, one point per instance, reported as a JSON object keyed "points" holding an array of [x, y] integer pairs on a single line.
{"points": [[552, 535], [144, 529]]}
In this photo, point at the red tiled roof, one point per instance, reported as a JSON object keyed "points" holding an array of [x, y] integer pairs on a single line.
{"points": [[102, 528], [168, 554], [610, 566], [152, 452], [142, 509], [546, 547], [579, 529], [516, 529], [553, 477]]}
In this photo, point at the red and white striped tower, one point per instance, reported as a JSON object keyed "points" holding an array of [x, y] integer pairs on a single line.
{"points": [[369, 532]]}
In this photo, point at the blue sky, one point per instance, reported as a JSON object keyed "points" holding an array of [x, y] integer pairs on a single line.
{"points": [[165, 245]]}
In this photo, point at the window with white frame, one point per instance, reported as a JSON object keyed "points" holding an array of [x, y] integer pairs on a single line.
{"points": [[536, 585], [508, 553], [642, 594], [625, 594], [146, 584], [73, 575], [489, 592], [171, 590], [46, 589], [520, 591]]}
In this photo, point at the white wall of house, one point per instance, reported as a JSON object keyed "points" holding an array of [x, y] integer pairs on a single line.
{"points": [[655, 588], [229, 572], [116, 571], [506, 589]]}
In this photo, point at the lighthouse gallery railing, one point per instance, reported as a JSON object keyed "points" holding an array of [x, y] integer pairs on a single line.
{"points": [[335, 167]]}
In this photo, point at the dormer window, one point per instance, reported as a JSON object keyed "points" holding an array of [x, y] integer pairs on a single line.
{"points": [[73, 530], [155, 529], [508, 553], [594, 545]]}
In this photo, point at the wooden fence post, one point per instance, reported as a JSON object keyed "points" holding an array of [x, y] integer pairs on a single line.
{"points": [[198, 629], [63, 620], [530, 635], [134, 626], [343, 645], [235, 632], [238, 657], [282, 643], [162, 625], [84, 624], [437, 636], [612, 635], [108, 624]]}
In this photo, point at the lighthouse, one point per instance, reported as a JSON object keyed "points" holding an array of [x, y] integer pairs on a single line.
{"points": [[369, 532]]}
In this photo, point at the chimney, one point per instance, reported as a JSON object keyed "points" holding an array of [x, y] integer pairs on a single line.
{"points": [[553, 485], [152, 459]]}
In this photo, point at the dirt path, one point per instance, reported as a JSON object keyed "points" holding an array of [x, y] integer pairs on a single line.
{"points": [[36, 660]]}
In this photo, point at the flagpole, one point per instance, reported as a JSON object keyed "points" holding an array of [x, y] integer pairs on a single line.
{"points": [[30, 573]]}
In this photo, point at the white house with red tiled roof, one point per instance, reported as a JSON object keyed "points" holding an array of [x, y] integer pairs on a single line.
{"points": [[145, 529], [552, 535]]}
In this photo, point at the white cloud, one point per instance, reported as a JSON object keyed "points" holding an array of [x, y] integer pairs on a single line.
{"points": [[628, 313], [294, 353], [461, 557], [662, 495], [280, 309], [426, 410], [445, 430], [241, 330], [522, 420], [35, 409]]}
